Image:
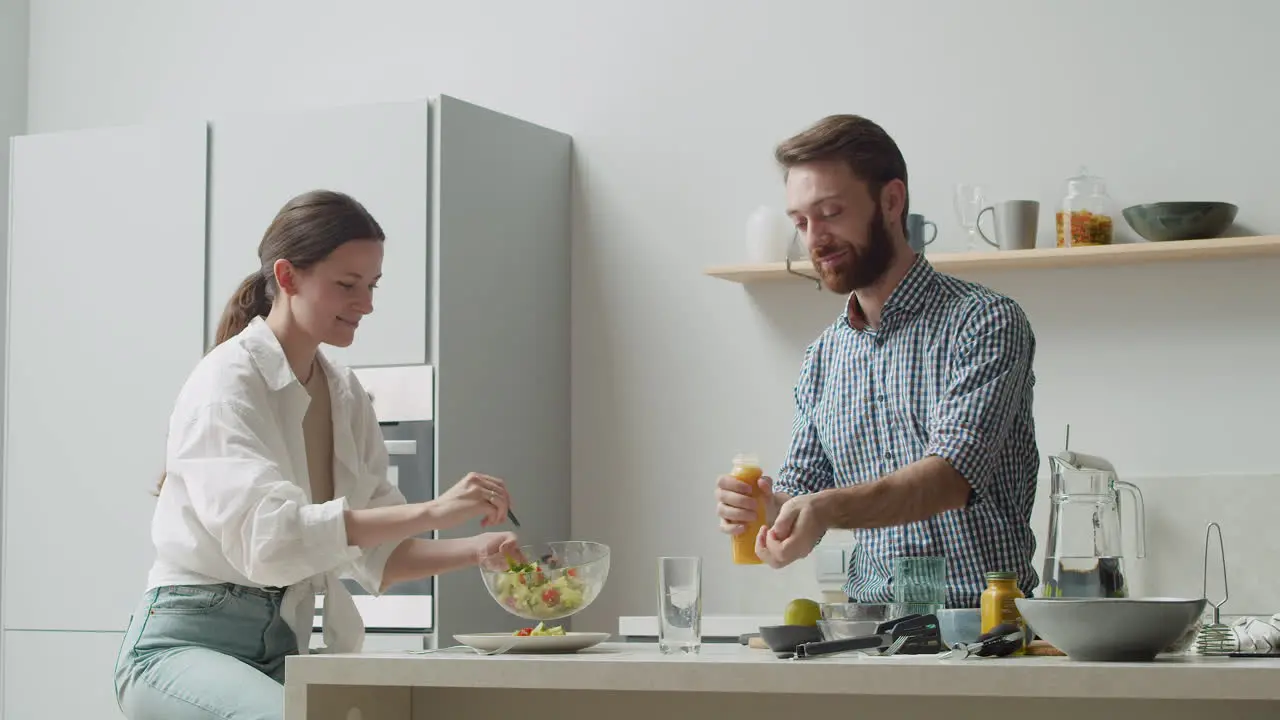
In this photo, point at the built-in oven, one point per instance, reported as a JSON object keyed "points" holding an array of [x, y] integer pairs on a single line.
{"points": [[404, 402]]}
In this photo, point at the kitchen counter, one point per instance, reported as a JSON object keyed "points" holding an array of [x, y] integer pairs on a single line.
{"points": [[626, 680]]}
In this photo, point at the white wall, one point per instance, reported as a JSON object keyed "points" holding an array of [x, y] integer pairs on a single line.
{"points": [[675, 108], [14, 23]]}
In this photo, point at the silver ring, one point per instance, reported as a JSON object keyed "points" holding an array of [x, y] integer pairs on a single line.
{"points": [[492, 496]]}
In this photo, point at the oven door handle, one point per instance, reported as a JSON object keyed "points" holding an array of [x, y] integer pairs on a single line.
{"points": [[401, 447]]}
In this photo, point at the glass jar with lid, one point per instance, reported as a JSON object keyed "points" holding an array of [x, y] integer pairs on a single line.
{"points": [[998, 606], [1085, 217]]}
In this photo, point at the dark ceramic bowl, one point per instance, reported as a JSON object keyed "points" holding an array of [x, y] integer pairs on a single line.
{"points": [[783, 639], [1162, 221]]}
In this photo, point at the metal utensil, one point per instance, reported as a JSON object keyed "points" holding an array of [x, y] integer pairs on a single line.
{"points": [[1215, 638], [895, 647], [1000, 642], [456, 648], [512, 517]]}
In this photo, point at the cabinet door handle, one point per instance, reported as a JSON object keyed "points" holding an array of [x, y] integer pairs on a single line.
{"points": [[401, 447]]}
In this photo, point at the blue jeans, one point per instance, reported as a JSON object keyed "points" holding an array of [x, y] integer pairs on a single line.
{"points": [[205, 652]]}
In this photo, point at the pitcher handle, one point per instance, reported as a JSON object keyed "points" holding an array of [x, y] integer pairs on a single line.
{"points": [[1139, 514]]}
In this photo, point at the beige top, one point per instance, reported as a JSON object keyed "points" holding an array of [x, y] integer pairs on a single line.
{"points": [[317, 431]]}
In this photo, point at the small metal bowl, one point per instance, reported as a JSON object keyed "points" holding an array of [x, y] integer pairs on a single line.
{"points": [[845, 629], [873, 612]]}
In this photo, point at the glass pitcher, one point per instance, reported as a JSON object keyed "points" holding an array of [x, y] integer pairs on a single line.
{"points": [[1083, 554]]}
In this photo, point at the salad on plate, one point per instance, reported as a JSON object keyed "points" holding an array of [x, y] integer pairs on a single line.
{"points": [[540, 631]]}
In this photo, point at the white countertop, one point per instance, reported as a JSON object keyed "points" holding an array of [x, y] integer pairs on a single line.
{"points": [[738, 669]]}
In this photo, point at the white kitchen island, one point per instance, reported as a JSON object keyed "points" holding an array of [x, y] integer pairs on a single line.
{"points": [[626, 681]]}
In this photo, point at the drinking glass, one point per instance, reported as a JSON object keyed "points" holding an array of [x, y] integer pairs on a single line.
{"points": [[921, 582], [680, 605], [970, 199]]}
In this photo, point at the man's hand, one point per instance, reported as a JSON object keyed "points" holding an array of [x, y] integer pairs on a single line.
{"points": [[796, 532], [736, 506]]}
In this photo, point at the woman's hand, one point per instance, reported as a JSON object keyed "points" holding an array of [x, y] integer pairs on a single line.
{"points": [[473, 495], [487, 545]]}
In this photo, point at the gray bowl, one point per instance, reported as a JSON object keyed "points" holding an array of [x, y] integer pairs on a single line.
{"points": [[783, 639], [1111, 629], [1164, 221]]}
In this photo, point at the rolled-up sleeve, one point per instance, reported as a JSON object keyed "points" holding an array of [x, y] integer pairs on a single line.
{"points": [[268, 530], [806, 468], [368, 568], [990, 376]]}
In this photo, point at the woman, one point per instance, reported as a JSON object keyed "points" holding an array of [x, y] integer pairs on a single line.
{"points": [[275, 485]]}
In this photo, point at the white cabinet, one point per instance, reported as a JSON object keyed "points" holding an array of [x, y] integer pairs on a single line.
{"points": [[60, 675], [106, 308], [376, 153]]}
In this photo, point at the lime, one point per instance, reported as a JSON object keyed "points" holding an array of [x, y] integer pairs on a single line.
{"points": [[802, 611]]}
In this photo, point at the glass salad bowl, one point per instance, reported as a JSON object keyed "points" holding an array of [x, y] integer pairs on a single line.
{"points": [[549, 581]]}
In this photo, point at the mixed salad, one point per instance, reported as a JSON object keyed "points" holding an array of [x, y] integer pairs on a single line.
{"points": [[525, 590], [539, 631]]}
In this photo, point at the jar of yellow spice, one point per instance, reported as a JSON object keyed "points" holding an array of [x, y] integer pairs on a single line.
{"points": [[997, 605]]}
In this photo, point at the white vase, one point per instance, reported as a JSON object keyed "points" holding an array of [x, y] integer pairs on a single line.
{"points": [[768, 235]]}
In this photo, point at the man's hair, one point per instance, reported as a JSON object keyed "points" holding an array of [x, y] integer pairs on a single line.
{"points": [[871, 154]]}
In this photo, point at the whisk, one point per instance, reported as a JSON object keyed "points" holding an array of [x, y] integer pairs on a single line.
{"points": [[1215, 638]]}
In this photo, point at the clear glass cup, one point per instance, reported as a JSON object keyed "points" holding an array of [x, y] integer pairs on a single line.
{"points": [[680, 605], [969, 201], [920, 581]]}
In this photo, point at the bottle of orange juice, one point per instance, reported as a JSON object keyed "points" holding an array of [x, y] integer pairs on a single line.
{"points": [[747, 469]]}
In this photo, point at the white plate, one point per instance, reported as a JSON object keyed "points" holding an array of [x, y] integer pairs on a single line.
{"points": [[567, 643]]}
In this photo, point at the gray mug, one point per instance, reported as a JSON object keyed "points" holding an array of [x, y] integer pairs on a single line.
{"points": [[915, 232], [1015, 222]]}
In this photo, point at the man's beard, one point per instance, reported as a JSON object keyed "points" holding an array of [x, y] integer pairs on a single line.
{"points": [[862, 267]]}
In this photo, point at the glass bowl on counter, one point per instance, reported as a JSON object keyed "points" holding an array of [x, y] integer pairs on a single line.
{"points": [[867, 612], [549, 581], [845, 629], [960, 625]]}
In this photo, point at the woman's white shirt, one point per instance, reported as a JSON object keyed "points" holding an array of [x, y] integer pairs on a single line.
{"points": [[236, 503]]}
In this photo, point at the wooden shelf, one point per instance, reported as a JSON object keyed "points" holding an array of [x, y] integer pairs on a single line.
{"points": [[1232, 248]]}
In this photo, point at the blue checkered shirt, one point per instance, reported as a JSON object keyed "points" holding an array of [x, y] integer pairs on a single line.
{"points": [[947, 373]]}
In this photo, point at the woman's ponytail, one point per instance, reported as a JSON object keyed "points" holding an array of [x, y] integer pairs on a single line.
{"points": [[252, 299]]}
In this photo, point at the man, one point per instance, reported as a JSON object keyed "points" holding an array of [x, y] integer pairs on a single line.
{"points": [[913, 423]]}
